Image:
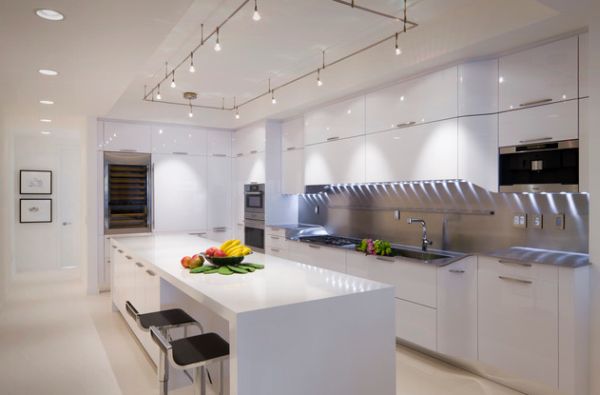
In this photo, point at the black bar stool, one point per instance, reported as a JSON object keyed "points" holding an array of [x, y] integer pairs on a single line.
{"points": [[194, 352], [163, 321]]}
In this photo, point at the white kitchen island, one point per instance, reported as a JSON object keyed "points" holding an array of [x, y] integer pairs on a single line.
{"points": [[292, 328]]}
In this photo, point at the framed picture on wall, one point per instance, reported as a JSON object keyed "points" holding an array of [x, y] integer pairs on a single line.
{"points": [[35, 211], [35, 182]]}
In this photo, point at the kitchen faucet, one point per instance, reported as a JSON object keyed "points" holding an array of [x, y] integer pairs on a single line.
{"points": [[425, 241]]}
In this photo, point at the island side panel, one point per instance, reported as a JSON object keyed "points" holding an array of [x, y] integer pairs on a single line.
{"points": [[344, 345]]}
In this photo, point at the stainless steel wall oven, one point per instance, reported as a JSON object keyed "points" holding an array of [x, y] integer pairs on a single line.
{"points": [[254, 216]]}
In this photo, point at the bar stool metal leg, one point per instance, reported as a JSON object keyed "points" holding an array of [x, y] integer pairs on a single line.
{"points": [[163, 371], [221, 375]]}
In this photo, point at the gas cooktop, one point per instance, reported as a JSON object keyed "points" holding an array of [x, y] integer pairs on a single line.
{"points": [[330, 240]]}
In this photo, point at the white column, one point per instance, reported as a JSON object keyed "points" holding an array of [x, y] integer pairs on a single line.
{"points": [[92, 205], [594, 168]]}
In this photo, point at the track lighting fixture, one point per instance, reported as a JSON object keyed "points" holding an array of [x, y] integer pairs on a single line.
{"points": [[217, 43], [319, 82], [256, 16], [398, 50], [273, 100], [173, 85], [158, 96], [192, 68]]}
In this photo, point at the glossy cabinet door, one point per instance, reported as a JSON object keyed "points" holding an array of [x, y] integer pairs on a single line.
{"points": [[423, 152], [553, 122], [292, 134], [584, 66], [336, 121], [478, 150], [429, 98], [176, 139], [457, 309], [518, 319], [341, 161], [249, 140], [180, 192], [584, 145], [219, 201], [416, 324], [218, 142], [547, 73], [127, 137], [478, 87], [292, 171]]}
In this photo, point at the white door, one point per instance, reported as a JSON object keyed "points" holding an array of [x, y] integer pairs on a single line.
{"points": [[68, 181]]}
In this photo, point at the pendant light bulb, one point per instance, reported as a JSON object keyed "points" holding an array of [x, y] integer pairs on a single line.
{"points": [[217, 43], [191, 113], [273, 100], [158, 96], [237, 113], [192, 68], [256, 16], [173, 85], [319, 82], [398, 50]]}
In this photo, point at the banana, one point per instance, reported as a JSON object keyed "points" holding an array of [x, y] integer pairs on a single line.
{"points": [[230, 243], [236, 251], [246, 250]]}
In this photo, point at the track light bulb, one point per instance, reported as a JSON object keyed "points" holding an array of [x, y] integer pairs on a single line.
{"points": [[256, 16], [217, 43], [191, 114], [192, 68], [273, 100], [237, 113], [398, 51], [173, 85], [319, 82], [158, 96]]}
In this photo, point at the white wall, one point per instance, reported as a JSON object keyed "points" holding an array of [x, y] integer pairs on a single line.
{"points": [[6, 193], [594, 168], [38, 246]]}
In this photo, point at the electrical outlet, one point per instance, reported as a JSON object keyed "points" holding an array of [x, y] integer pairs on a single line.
{"points": [[397, 215], [537, 221], [559, 221], [520, 220]]}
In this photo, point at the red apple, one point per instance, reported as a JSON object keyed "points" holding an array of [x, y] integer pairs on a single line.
{"points": [[210, 251], [220, 253], [185, 261]]}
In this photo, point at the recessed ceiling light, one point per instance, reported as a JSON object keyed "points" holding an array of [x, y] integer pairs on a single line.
{"points": [[45, 132], [45, 120], [46, 102], [48, 72], [50, 15]]}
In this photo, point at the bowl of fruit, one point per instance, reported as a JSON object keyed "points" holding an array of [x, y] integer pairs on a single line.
{"points": [[232, 252]]}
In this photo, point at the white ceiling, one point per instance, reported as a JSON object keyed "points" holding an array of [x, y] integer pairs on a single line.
{"points": [[107, 51]]}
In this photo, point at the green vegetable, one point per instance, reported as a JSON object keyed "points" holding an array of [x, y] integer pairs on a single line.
{"points": [[225, 271], [213, 269], [237, 269], [362, 247], [254, 265], [202, 269], [382, 247]]}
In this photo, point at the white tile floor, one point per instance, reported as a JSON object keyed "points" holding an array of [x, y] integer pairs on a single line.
{"points": [[54, 339]]}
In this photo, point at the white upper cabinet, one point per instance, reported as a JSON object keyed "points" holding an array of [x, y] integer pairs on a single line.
{"points": [[121, 136], [584, 48], [554, 122], [292, 171], [423, 152], [180, 192], [337, 121], [218, 142], [292, 134], [540, 75], [249, 140], [429, 98], [478, 150], [478, 87], [341, 161], [177, 139]]}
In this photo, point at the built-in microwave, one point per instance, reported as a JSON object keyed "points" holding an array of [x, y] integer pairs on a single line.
{"points": [[540, 167]]}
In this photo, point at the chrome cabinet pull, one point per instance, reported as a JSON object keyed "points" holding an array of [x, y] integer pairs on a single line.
{"points": [[333, 138], [536, 140], [275, 250], [114, 247], [518, 263], [275, 237], [121, 251], [290, 148], [457, 271], [534, 102], [253, 151], [150, 272], [179, 153], [314, 246], [405, 124], [138, 264], [515, 280], [240, 154], [128, 257], [220, 229], [380, 258], [220, 155]]}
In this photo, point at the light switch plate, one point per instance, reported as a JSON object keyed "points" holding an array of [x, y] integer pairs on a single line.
{"points": [[559, 221], [520, 220], [537, 221]]}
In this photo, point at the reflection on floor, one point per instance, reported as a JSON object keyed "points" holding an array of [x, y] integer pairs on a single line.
{"points": [[54, 339]]}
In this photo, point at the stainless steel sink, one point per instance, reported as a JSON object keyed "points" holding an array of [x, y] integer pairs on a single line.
{"points": [[421, 255]]}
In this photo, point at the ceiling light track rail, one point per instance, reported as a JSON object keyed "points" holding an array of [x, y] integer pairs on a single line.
{"points": [[353, 4]]}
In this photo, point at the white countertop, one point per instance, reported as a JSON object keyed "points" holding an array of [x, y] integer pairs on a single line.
{"points": [[282, 282]]}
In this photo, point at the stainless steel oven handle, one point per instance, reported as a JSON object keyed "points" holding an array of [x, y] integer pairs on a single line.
{"points": [[253, 193], [456, 271], [539, 139]]}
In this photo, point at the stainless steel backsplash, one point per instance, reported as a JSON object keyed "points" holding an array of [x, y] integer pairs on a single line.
{"points": [[460, 216]]}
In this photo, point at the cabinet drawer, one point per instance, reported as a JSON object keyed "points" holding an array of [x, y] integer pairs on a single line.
{"points": [[416, 324], [553, 122], [275, 245], [275, 231], [325, 257], [524, 270]]}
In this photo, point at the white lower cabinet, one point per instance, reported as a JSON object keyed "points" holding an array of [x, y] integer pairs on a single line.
{"points": [[518, 319], [324, 257], [276, 245], [335, 162], [423, 152], [457, 309], [416, 323]]}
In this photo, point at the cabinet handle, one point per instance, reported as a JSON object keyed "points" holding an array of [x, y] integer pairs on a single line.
{"points": [[536, 140], [150, 272], [275, 237], [128, 257], [240, 224], [380, 258], [290, 148], [457, 271], [333, 138], [534, 102], [506, 262], [114, 247], [275, 249], [516, 280], [138, 264], [220, 155], [121, 251], [314, 246], [239, 154], [220, 229], [405, 124], [179, 153], [253, 151]]}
